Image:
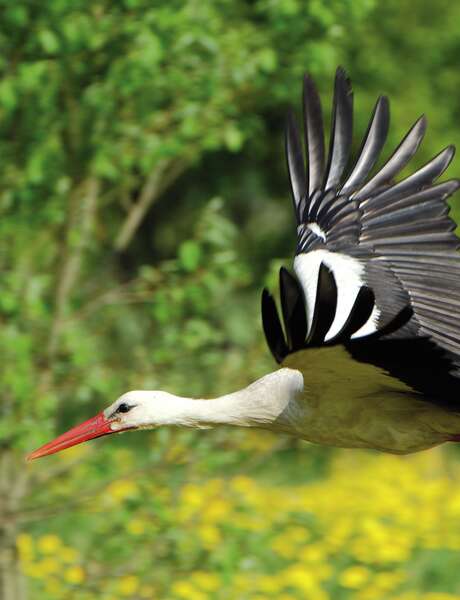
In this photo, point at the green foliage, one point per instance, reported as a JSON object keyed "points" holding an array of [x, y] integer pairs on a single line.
{"points": [[141, 178]]}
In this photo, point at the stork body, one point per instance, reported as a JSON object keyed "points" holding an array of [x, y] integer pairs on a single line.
{"points": [[369, 348], [356, 405]]}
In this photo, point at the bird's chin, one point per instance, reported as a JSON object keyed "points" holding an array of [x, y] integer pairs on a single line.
{"points": [[118, 427], [95, 427]]}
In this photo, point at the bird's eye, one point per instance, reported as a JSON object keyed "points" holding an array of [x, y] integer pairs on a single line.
{"points": [[124, 408]]}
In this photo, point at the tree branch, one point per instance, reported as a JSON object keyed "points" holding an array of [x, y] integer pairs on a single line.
{"points": [[165, 173], [83, 207]]}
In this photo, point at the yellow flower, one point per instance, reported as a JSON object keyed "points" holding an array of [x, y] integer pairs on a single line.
{"points": [[122, 490], [184, 589], [209, 535], [354, 577], [209, 582], [453, 504], [312, 554], [69, 555], [192, 495], [243, 582], [242, 484], [394, 551], [297, 535], [136, 526], [323, 571], [25, 545], [49, 544], [48, 566], [128, 585], [301, 578], [74, 575], [368, 593], [283, 546], [359, 549], [269, 584], [375, 530], [215, 511], [252, 494]]}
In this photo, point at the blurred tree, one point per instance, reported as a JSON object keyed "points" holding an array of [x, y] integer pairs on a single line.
{"points": [[119, 121]]}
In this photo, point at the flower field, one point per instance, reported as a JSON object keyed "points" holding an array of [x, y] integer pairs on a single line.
{"points": [[371, 527]]}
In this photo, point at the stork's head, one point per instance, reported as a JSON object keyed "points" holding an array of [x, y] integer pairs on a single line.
{"points": [[133, 410]]}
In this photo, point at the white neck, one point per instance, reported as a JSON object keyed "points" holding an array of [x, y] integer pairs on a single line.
{"points": [[269, 401]]}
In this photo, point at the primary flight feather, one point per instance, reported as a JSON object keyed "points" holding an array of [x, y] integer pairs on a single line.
{"points": [[369, 340]]}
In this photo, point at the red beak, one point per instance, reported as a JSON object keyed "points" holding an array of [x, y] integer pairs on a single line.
{"points": [[93, 428]]}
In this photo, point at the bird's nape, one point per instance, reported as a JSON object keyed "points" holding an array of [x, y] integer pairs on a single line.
{"points": [[95, 427]]}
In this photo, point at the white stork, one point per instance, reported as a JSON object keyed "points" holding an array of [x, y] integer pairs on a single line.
{"points": [[370, 349]]}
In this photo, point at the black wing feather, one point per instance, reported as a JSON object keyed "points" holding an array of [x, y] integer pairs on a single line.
{"points": [[421, 178], [296, 166], [272, 328], [325, 307], [293, 310], [400, 232], [372, 145], [314, 134], [398, 160], [341, 132]]}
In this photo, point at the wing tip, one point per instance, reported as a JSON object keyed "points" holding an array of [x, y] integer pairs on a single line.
{"points": [[343, 85], [310, 90], [454, 184], [452, 150], [342, 75], [421, 123], [444, 158], [383, 105]]}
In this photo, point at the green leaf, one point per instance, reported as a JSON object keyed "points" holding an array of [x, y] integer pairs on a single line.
{"points": [[104, 166], [49, 41], [7, 94], [150, 48], [189, 255], [233, 138], [267, 59]]}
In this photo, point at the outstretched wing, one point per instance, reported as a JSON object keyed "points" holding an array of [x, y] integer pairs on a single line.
{"points": [[376, 260]]}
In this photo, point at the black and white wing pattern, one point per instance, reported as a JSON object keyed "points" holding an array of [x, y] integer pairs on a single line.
{"points": [[376, 265]]}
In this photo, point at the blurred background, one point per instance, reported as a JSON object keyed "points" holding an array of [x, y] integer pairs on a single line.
{"points": [[144, 203]]}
